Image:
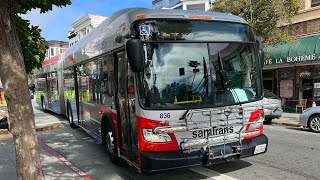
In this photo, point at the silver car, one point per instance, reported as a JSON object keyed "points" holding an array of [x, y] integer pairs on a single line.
{"points": [[310, 118], [272, 106]]}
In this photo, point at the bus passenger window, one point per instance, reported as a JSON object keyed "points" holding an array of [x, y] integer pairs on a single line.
{"points": [[107, 81], [89, 82]]}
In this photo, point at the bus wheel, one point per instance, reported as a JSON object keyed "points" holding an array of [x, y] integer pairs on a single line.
{"points": [[70, 117], [108, 139]]}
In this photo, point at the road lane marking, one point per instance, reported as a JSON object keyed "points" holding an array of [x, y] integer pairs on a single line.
{"points": [[75, 169], [211, 174]]}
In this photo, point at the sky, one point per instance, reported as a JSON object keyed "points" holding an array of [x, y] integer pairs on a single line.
{"points": [[57, 23]]}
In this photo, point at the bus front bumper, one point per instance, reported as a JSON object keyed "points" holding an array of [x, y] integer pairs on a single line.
{"points": [[153, 162]]}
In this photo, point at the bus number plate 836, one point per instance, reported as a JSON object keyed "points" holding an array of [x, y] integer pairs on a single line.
{"points": [[164, 115]]}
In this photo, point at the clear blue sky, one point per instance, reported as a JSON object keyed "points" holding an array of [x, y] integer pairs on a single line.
{"points": [[57, 23]]}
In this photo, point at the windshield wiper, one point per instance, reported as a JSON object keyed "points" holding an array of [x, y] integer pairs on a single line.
{"points": [[223, 78]]}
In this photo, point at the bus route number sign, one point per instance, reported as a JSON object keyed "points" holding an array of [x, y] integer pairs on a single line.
{"points": [[144, 30]]}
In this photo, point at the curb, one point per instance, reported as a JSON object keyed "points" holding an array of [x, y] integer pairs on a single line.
{"points": [[288, 124], [46, 127]]}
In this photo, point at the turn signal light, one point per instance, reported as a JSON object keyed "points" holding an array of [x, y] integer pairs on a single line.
{"points": [[140, 16], [192, 16]]}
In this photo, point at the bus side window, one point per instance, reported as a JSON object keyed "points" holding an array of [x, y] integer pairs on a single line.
{"points": [[89, 78], [107, 81]]}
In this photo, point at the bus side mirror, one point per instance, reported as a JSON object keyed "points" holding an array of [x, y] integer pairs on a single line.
{"points": [[135, 55]]}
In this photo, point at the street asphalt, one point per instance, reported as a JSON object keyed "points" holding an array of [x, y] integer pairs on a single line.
{"points": [[293, 153]]}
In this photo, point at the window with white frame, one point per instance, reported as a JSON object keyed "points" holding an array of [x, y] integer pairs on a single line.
{"points": [[201, 7], [51, 51]]}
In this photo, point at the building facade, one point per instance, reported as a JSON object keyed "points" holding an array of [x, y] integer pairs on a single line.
{"points": [[292, 71], [55, 48], [203, 5], [84, 26]]}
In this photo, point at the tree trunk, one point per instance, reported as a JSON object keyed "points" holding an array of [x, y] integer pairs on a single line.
{"points": [[15, 83]]}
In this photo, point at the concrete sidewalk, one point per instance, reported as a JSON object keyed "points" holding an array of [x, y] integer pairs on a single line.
{"points": [[52, 167], [288, 119], [45, 120]]}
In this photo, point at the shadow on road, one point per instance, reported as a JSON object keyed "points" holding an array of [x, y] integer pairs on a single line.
{"points": [[230, 166], [299, 129]]}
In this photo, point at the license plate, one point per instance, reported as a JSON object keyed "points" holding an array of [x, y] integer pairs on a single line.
{"points": [[260, 149]]}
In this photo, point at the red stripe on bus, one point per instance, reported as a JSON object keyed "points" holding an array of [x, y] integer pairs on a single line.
{"points": [[69, 56], [114, 118], [75, 169], [51, 60]]}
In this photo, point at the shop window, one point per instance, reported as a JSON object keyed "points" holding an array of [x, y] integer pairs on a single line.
{"points": [[315, 3], [286, 88]]}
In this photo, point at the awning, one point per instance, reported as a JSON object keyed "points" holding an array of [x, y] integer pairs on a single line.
{"points": [[303, 51]]}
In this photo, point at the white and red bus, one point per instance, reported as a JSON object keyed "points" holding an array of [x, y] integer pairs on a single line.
{"points": [[163, 89]]}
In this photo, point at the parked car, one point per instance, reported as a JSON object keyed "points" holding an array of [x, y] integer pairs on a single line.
{"points": [[310, 118], [272, 106]]}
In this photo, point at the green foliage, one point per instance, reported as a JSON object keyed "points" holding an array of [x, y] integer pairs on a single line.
{"points": [[33, 45], [265, 15], [23, 6]]}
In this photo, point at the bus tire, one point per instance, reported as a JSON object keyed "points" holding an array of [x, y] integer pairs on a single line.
{"points": [[108, 138], [70, 117], [43, 105]]}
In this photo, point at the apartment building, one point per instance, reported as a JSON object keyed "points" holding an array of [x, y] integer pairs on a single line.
{"points": [[292, 70], [55, 48], [203, 5], [84, 26]]}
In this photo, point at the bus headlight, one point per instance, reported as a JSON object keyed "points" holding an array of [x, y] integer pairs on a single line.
{"points": [[149, 136]]}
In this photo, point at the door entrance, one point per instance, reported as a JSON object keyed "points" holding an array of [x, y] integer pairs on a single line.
{"points": [[125, 102]]}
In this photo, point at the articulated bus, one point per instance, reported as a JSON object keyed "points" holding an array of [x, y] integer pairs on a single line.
{"points": [[162, 89]]}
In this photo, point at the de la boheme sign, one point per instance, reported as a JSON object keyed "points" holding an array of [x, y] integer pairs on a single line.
{"points": [[293, 59]]}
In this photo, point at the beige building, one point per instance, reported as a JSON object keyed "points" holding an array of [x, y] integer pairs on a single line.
{"points": [[55, 48], [292, 71], [84, 26], [202, 5]]}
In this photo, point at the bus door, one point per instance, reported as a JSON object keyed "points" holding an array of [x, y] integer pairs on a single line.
{"points": [[125, 107]]}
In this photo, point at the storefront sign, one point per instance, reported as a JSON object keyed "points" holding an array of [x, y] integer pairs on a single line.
{"points": [[310, 57]]}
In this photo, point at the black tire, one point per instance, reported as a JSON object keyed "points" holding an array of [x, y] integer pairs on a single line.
{"points": [[70, 117], [314, 123], [268, 121], [106, 128], [43, 105]]}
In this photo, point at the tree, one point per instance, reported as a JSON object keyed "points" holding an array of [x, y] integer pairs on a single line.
{"points": [[262, 15], [14, 78]]}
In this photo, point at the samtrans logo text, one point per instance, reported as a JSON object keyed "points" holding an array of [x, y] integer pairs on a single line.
{"points": [[215, 130]]}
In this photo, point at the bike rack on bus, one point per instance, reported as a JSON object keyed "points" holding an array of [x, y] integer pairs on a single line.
{"points": [[221, 117]]}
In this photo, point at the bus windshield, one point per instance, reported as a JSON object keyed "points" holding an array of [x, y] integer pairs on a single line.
{"points": [[181, 75]]}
